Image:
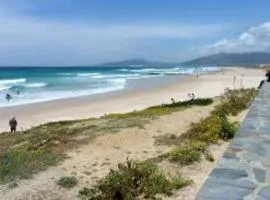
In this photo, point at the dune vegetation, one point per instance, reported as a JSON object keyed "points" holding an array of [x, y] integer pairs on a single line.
{"points": [[127, 182], [26, 153]]}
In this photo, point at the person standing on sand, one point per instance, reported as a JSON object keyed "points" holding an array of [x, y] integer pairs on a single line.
{"points": [[234, 81], [13, 124]]}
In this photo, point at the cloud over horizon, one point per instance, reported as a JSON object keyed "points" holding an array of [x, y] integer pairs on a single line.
{"points": [[27, 40], [256, 38], [82, 32]]}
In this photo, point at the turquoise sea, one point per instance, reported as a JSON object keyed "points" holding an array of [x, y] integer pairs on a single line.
{"points": [[39, 84]]}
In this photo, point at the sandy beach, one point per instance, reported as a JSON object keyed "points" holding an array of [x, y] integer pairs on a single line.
{"points": [[92, 160], [207, 85]]}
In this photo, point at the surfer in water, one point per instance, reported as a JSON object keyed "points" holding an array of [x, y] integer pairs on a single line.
{"points": [[8, 97], [18, 92]]}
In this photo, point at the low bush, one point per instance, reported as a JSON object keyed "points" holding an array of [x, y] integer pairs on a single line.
{"points": [[163, 109], [133, 179], [195, 142], [235, 101], [67, 182], [22, 164], [209, 157], [185, 155]]}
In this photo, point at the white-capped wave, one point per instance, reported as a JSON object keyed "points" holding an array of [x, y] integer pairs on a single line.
{"points": [[117, 80], [143, 70], [12, 81], [65, 74], [109, 76], [3, 87], [87, 74], [27, 98], [35, 85], [171, 71]]}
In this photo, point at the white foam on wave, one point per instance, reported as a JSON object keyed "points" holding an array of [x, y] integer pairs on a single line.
{"points": [[171, 71], [117, 80], [3, 87], [12, 81], [138, 70], [35, 85], [38, 97], [116, 76], [87, 74], [65, 74]]}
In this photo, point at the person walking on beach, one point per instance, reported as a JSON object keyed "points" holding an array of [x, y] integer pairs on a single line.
{"points": [[13, 124]]}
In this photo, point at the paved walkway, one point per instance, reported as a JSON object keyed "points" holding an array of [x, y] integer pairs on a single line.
{"points": [[244, 170]]}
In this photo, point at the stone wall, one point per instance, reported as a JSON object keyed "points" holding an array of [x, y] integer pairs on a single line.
{"points": [[243, 172]]}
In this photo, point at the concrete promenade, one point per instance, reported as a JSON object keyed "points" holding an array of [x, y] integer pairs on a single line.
{"points": [[243, 172]]}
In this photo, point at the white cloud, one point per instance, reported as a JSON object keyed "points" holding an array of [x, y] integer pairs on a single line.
{"points": [[28, 40], [255, 39]]}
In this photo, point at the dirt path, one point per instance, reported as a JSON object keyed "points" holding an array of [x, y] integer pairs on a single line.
{"points": [[91, 162]]}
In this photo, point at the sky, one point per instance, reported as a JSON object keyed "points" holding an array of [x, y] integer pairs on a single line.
{"points": [[88, 32]]}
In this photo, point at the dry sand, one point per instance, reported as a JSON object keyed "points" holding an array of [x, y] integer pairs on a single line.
{"points": [[93, 161], [207, 85]]}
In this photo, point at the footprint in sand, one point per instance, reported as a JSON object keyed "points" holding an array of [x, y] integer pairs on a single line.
{"points": [[105, 163], [94, 178], [95, 164], [87, 173], [74, 173], [158, 151]]}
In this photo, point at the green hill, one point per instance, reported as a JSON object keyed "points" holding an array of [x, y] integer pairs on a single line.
{"points": [[230, 59]]}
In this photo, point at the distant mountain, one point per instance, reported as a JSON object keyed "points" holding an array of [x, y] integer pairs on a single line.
{"points": [[230, 59], [139, 63]]}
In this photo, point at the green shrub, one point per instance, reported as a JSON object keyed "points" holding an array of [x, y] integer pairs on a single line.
{"points": [[209, 157], [228, 129], [87, 193], [235, 101], [163, 109], [198, 145], [207, 130], [133, 179], [185, 155], [22, 164], [67, 182]]}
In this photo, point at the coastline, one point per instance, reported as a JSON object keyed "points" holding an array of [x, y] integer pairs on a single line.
{"points": [[133, 98]]}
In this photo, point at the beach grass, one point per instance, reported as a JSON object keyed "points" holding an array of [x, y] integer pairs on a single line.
{"points": [[163, 109], [130, 181], [189, 147], [29, 152], [26, 153], [133, 179], [67, 182]]}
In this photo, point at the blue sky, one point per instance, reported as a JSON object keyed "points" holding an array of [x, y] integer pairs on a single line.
{"points": [[82, 32]]}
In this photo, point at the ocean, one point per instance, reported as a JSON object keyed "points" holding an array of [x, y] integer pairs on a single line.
{"points": [[39, 84]]}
